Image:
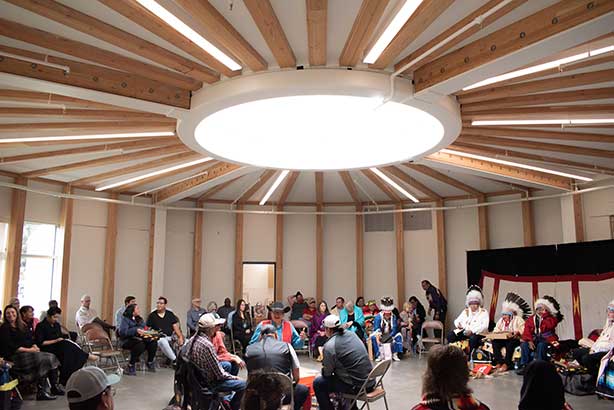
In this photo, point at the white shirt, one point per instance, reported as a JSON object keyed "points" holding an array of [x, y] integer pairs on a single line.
{"points": [[516, 324], [476, 321], [85, 316], [605, 342]]}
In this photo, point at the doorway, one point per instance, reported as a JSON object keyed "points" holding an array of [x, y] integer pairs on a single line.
{"points": [[258, 282]]}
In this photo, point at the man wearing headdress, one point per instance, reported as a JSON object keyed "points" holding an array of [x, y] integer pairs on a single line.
{"points": [[472, 320], [514, 312], [386, 329]]}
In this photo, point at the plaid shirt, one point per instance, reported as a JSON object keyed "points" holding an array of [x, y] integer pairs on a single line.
{"points": [[458, 403], [204, 356]]}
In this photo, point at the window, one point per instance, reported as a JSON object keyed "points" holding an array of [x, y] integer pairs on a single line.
{"points": [[4, 229], [40, 274]]}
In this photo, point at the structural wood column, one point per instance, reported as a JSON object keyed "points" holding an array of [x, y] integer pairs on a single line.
{"points": [[150, 261], [528, 226], [400, 240], [239, 254], [108, 276], [319, 253], [360, 253], [483, 223], [66, 226], [441, 249], [279, 256], [14, 241], [578, 217], [198, 253]]}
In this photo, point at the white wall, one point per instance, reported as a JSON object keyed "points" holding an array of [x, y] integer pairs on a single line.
{"points": [[597, 207], [178, 260], [300, 253], [505, 223], [339, 246], [420, 260], [218, 256]]}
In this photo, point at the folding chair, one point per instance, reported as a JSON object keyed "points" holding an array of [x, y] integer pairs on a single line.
{"points": [[430, 324], [198, 395], [378, 392], [97, 342]]}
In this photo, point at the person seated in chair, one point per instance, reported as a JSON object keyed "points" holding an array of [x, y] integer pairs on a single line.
{"points": [[230, 362], [27, 315], [297, 306], [201, 352], [272, 355], [119, 313], [540, 331], [91, 389], [386, 329], [225, 309], [285, 329], [346, 365], [352, 319], [591, 357], [165, 322], [132, 336], [195, 312], [265, 391], [514, 312], [86, 315], [54, 304], [241, 324], [472, 321]]}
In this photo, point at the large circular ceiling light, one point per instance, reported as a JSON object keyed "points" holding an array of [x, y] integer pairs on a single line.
{"points": [[317, 120]]}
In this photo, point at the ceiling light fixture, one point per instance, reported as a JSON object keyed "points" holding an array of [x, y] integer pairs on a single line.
{"points": [[516, 164], [273, 187], [587, 121], [185, 30], [89, 137], [393, 28], [394, 184], [154, 173], [540, 67]]}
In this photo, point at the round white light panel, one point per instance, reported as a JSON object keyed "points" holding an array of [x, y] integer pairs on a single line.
{"points": [[319, 132]]}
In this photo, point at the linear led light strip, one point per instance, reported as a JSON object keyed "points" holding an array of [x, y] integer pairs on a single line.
{"points": [[588, 121], [89, 137], [516, 164], [393, 28], [394, 184], [273, 187], [185, 30], [154, 173], [540, 67]]}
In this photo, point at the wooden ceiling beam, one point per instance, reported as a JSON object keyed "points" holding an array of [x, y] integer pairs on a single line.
{"points": [[319, 176], [430, 172], [113, 159], [423, 17], [216, 171], [366, 21], [350, 185], [383, 186], [93, 77], [267, 22], [412, 182], [20, 112], [198, 168], [114, 146], [549, 112], [317, 27], [89, 25], [537, 134], [290, 182], [542, 146], [101, 56], [537, 27], [558, 97], [152, 23], [487, 167], [222, 32], [538, 86], [507, 154], [262, 179], [214, 190], [93, 127], [35, 97], [168, 160], [453, 29]]}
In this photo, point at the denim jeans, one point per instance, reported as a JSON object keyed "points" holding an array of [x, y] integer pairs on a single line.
{"points": [[165, 345], [235, 386], [527, 354], [230, 367], [324, 386]]}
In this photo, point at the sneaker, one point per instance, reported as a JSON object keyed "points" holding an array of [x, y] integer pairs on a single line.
{"points": [[42, 395], [395, 357], [151, 367], [131, 371], [378, 359], [57, 391]]}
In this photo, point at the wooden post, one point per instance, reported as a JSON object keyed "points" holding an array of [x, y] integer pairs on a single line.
{"points": [[14, 241], [198, 252], [441, 249], [483, 223], [319, 254], [400, 239], [528, 226], [150, 262], [66, 226], [279, 256], [578, 214], [360, 253], [239, 254], [108, 278]]}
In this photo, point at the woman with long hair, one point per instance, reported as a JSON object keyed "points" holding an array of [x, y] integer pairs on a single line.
{"points": [[316, 330], [29, 363], [542, 388], [242, 324], [132, 336]]}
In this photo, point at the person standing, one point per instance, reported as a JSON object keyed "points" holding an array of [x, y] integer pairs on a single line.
{"points": [[195, 312], [346, 365], [165, 322], [438, 305]]}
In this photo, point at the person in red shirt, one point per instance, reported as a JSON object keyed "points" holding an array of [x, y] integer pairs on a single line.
{"points": [[540, 331]]}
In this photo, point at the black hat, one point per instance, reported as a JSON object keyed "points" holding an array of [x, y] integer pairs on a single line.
{"points": [[278, 307]]}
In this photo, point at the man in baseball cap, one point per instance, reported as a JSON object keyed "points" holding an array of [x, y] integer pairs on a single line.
{"points": [[90, 389]]}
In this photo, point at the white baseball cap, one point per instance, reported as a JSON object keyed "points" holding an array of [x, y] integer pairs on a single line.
{"points": [[210, 320], [87, 383], [331, 321]]}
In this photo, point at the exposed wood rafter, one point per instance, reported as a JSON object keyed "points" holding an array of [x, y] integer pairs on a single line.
{"points": [[537, 134], [317, 26], [262, 179], [366, 20], [290, 182], [381, 185], [444, 178], [412, 182], [350, 185], [214, 190]]}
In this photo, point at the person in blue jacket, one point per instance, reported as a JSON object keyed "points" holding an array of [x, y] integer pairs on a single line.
{"points": [[352, 319], [131, 337], [386, 329]]}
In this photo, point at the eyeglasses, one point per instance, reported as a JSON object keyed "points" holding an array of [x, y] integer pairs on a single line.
{"points": [[110, 391]]}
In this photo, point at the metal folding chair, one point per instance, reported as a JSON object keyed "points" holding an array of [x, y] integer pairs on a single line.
{"points": [[378, 392], [430, 324]]}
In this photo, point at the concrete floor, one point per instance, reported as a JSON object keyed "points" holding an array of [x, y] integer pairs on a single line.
{"points": [[403, 385]]}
